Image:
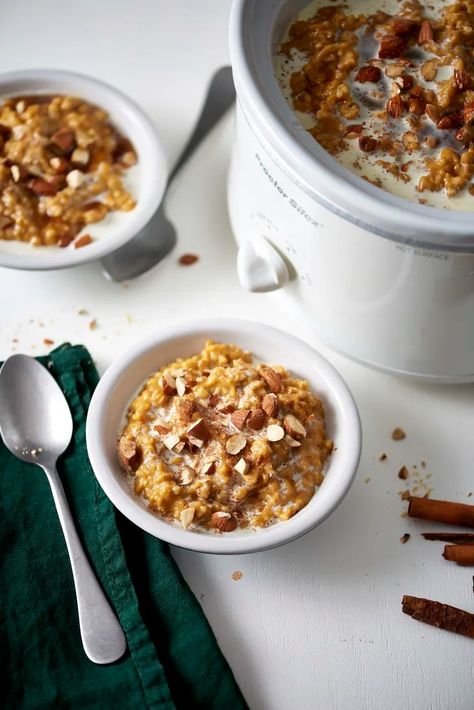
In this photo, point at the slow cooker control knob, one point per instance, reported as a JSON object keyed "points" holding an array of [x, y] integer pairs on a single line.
{"points": [[260, 266]]}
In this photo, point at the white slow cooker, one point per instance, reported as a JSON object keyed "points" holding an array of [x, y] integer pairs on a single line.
{"points": [[384, 280]]}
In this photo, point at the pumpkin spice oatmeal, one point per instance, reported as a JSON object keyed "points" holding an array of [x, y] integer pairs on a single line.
{"points": [[219, 442], [387, 88], [62, 167]]}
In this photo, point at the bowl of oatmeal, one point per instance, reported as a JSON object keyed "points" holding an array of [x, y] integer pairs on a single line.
{"points": [[224, 436], [81, 169], [351, 185]]}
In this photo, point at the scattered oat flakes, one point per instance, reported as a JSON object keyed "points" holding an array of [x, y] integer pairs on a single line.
{"points": [[82, 312], [398, 434], [366, 480], [237, 575], [383, 457], [188, 259], [423, 464], [93, 324], [404, 538]]}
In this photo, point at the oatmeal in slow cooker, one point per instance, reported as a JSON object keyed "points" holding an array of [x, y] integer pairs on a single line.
{"points": [[387, 88], [219, 442], [62, 167]]}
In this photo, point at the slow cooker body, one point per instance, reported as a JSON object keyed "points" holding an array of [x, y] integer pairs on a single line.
{"points": [[389, 303]]}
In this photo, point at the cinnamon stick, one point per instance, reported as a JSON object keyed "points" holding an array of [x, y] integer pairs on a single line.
{"points": [[462, 554], [440, 615], [441, 511], [459, 538]]}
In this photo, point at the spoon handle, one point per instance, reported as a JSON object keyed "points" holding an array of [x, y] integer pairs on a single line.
{"points": [[102, 636]]}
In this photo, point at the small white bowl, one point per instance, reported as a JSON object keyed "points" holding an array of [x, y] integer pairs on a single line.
{"points": [[147, 180], [121, 381]]}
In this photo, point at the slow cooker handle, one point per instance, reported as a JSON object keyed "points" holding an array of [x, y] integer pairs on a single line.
{"points": [[260, 267]]}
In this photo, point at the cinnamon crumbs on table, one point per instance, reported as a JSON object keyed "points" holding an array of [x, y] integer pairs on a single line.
{"points": [[188, 259]]}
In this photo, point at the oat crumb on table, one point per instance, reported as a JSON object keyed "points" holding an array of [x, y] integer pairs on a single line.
{"points": [[237, 575], [398, 434], [404, 538]]}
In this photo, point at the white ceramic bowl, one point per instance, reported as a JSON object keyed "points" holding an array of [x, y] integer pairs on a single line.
{"points": [[121, 381], [147, 179]]}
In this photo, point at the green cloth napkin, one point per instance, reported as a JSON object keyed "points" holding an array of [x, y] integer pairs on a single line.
{"points": [[172, 661]]}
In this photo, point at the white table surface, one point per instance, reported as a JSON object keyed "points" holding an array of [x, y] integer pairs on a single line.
{"points": [[318, 623]]}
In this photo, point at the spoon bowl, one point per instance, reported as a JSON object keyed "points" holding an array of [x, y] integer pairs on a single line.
{"points": [[35, 421]]}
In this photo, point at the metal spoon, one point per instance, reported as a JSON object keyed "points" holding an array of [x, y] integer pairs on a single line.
{"points": [[158, 237], [36, 426]]}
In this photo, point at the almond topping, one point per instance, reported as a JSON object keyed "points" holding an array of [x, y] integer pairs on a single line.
{"points": [[225, 522], [391, 47], [402, 27], [170, 441], [368, 74], [180, 386], [256, 419], [416, 105], [208, 467], [463, 80], [468, 111], [433, 112], [426, 32], [186, 517], [294, 427], [238, 418], [393, 70], [199, 429], [270, 405], [444, 123], [406, 81], [275, 432], [292, 442], [64, 140], [185, 476], [235, 444], [162, 428], [193, 442], [272, 378], [83, 241], [179, 447], [168, 384], [129, 454], [241, 466], [44, 188], [395, 106]]}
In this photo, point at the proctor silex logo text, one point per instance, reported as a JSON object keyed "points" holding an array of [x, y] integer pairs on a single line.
{"points": [[291, 201]]}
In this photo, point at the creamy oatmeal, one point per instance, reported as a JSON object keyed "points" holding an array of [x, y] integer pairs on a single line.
{"points": [[219, 442], [62, 165], [387, 88]]}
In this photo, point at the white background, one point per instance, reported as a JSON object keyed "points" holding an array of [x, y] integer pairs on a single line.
{"points": [[315, 624]]}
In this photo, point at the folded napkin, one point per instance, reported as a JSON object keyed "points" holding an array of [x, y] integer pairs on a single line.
{"points": [[172, 661]]}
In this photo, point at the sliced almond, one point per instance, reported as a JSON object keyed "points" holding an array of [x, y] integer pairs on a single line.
{"points": [[170, 441], [194, 441], [185, 476], [294, 427], [275, 432], [270, 405], [179, 447], [75, 179], [235, 444], [180, 386], [187, 517], [226, 408], [292, 442], [168, 383], [162, 428], [199, 429], [272, 379], [241, 466], [256, 419], [208, 467], [238, 418], [129, 453], [225, 522]]}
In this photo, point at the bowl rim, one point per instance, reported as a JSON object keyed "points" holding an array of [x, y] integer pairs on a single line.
{"points": [[267, 538], [152, 183]]}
